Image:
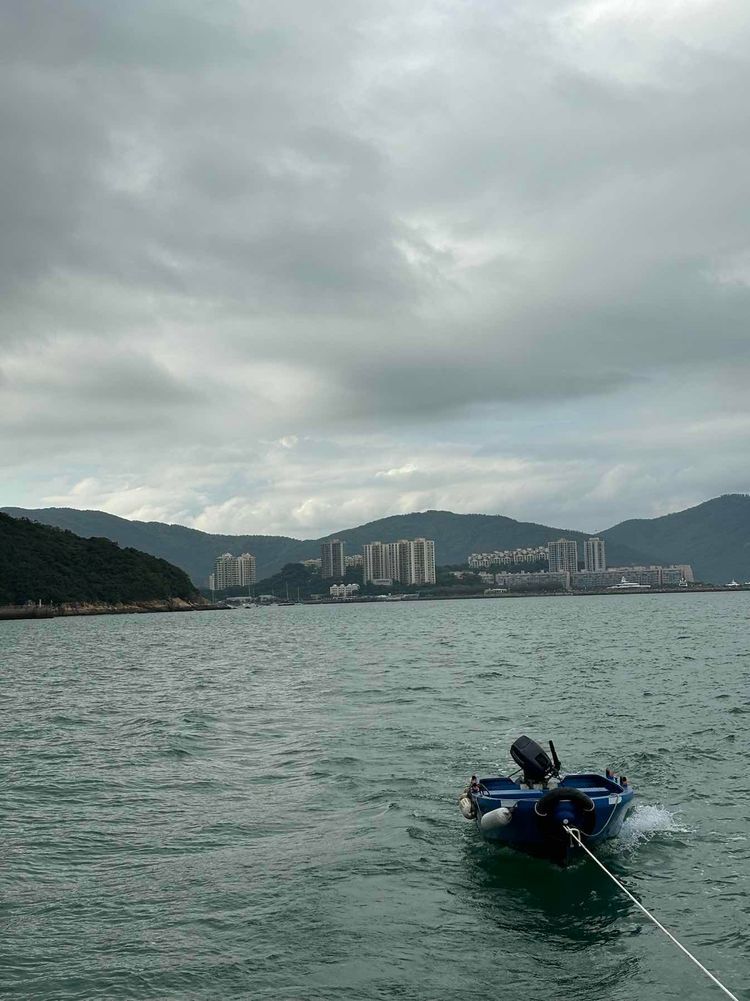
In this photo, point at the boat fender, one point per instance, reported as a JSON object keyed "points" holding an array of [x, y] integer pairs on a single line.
{"points": [[546, 806], [496, 818], [467, 808]]}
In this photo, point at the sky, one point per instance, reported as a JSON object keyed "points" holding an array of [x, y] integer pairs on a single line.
{"points": [[288, 267]]}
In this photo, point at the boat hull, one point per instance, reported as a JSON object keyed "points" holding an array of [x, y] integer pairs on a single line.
{"points": [[535, 821]]}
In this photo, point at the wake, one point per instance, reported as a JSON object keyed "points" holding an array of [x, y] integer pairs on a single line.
{"points": [[648, 820]]}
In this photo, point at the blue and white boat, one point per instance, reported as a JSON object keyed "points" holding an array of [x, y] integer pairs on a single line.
{"points": [[535, 811]]}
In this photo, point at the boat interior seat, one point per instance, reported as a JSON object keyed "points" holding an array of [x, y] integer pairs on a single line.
{"points": [[591, 790]]}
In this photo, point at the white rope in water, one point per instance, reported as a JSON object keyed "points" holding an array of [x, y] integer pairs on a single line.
{"points": [[577, 836]]}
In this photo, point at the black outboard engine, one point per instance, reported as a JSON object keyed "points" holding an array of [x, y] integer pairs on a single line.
{"points": [[536, 764]]}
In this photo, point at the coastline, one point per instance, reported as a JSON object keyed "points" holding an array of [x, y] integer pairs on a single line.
{"points": [[10, 612], [409, 598]]}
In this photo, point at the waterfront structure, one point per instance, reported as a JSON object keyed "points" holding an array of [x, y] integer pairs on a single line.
{"points": [[344, 592], [563, 556], [594, 556], [232, 571], [650, 576], [501, 557], [544, 580], [408, 561], [332, 559]]}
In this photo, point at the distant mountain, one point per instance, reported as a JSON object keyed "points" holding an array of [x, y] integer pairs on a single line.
{"points": [[187, 548], [455, 535], [41, 562], [714, 537]]}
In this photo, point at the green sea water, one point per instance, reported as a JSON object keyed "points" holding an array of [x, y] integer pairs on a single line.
{"points": [[262, 804]]}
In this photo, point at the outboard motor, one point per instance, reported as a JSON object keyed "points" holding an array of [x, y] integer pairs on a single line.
{"points": [[536, 764]]}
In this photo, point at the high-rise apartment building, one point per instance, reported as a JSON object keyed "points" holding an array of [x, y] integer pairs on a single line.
{"points": [[594, 557], [332, 559], [376, 562], [424, 561], [563, 556], [232, 571], [409, 561]]}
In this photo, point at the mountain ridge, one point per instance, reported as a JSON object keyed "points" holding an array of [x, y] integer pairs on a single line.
{"points": [[713, 536]]}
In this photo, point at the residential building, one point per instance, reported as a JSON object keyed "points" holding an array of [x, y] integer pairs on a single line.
{"points": [[312, 564], [376, 562], [594, 557], [502, 557], [332, 559], [424, 561], [563, 556], [409, 561], [354, 561], [344, 592], [232, 571]]}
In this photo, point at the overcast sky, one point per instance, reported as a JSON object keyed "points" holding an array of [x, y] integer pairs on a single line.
{"points": [[286, 267]]}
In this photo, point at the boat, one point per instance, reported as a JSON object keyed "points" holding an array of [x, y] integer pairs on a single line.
{"points": [[534, 811], [628, 585]]}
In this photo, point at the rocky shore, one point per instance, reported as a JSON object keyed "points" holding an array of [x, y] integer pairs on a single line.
{"points": [[101, 608]]}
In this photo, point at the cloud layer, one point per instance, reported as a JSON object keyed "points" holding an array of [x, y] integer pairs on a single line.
{"points": [[289, 267]]}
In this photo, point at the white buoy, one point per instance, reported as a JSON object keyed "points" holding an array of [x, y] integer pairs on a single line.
{"points": [[496, 818]]}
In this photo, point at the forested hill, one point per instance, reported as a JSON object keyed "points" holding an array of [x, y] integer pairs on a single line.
{"points": [[40, 562], [714, 537], [455, 535]]}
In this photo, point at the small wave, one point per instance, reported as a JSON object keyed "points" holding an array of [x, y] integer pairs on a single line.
{"points": [[648, 820]]}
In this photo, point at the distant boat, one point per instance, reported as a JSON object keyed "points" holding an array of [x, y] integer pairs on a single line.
{"points": [[628, 585], [732, 583]]}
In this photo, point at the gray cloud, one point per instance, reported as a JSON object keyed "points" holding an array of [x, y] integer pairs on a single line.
{"points": [[400, 233]]}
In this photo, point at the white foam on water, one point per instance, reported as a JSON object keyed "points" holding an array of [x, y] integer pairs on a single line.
{"points": [[647, 820]]}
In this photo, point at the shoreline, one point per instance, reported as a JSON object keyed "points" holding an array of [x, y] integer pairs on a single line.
{"points": [[11, 612], [409, 598]]}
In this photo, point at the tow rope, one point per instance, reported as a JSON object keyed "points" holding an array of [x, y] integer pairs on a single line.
{"points": [[575, 834]]}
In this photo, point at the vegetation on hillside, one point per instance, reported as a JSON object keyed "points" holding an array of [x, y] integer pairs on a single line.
{"points": [[714, 537], [455, 535], [39, 562]]}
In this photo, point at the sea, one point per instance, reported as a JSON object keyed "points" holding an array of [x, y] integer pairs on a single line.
{"points": [[262, 803]]}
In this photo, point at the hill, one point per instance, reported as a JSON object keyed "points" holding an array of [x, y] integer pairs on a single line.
{"points": [[455, 535], [714, 537], [187, 548], [40, 562]]}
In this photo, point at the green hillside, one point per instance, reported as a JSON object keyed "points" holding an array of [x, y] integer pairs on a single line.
{"points": [[187, 548], [714, 537], [455, 535], [40, 562]]}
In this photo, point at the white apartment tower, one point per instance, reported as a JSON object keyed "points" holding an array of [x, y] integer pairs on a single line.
{"points": [[563, 556], [332, 559], [409, 561], [232, 571], [594, 557], [376, 562], [424, 561]]}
